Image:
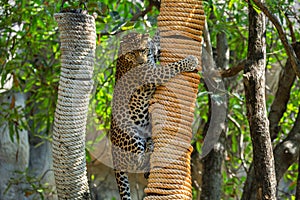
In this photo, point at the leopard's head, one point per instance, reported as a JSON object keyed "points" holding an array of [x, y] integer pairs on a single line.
{"points": [[134, 51], [130, 60]]}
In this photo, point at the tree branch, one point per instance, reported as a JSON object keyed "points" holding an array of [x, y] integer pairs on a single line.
{"points": [[233, 70], [282, 35], [286, 152], [290, 25], [142, 13], [135, 17], [282, 95]]}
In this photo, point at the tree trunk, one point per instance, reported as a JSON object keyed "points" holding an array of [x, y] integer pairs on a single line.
{"points": [[286, 152], [212, 172], [254, 83], [212, 163]]}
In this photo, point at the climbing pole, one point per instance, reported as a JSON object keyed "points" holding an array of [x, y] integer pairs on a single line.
{"points": [[78, 43], [180, 23]]}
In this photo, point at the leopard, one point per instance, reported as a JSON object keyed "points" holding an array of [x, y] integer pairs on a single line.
{"points": [[137, 77], [137, 49]]}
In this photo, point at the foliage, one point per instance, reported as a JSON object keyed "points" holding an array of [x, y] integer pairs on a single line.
{"points": [[231, 18], [29, 51]]}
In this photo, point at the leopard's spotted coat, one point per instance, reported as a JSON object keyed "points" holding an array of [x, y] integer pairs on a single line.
{"points": [[137, 76]]}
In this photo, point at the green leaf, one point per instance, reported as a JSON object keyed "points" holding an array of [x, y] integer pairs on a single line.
{"points": [[255, 7]]}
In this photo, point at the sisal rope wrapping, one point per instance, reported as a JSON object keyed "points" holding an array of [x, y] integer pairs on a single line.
{"points": [[172, 108], [78, 43]]}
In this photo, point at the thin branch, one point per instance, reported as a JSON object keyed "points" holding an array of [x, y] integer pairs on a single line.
{"points": [[290, 25], [278, 60], [282, 35], [142, 13], [133, 19], [287, 151], [207, 40], [282, 95], [233, 70], [235, 123], [294, 14]]}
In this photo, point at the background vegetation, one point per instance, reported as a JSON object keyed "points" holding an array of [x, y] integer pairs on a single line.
{"points": [[30, 53]]}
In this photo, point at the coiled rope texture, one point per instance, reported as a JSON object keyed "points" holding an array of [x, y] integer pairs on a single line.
{"points": [[180, 23], [78, 43]]}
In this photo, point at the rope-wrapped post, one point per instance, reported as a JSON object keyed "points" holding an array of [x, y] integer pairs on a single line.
{"points": [[78, 43], [180, 24]]}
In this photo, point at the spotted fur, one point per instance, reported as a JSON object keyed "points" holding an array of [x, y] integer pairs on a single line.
{"points": [[137, 77]]}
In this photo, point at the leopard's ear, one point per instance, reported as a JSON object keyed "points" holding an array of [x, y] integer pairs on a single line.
{"points": [[156, 46], [156, 39]]}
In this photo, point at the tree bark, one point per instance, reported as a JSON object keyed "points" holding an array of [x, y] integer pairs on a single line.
{"points": [[254, 83], [285, 154], [212, 172]]}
